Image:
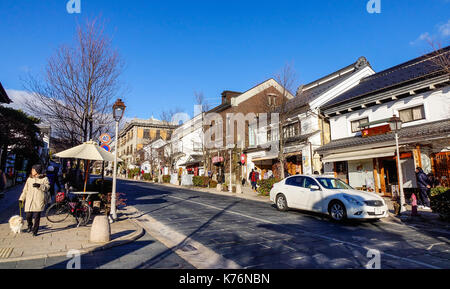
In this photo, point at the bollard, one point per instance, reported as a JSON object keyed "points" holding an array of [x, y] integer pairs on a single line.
{"points": [[100, 230]]}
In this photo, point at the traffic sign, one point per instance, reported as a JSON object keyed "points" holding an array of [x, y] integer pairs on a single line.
{"points": [[106, 147], [105, 138], [243, 159]]}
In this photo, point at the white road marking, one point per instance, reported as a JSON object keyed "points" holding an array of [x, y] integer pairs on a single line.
{"points": [[313, 234], [190, 250], [432, 245]]}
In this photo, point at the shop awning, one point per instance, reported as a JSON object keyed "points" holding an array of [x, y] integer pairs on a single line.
{"points": [[360, 155], [264, 158]]}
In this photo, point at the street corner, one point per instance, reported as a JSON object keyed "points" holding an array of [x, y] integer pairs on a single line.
{"points": [[55, 240]]}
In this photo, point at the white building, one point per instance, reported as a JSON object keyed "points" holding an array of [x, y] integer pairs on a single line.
{"points": [[187, 146], [362, 150], [152, 163]]}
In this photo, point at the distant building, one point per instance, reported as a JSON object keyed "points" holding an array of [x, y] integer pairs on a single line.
{"points": [[138, 133]]}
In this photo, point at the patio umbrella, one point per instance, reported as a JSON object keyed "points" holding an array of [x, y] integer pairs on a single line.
{"points": [[89, 151]]}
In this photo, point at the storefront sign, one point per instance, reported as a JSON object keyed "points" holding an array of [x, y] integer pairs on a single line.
{"points": [[376, 130], [217, 160]]}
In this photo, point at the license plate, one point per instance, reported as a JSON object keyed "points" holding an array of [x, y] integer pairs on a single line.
{"points": [[378, 211]]}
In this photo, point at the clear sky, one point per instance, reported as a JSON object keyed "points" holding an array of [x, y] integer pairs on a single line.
{"points": [[173, 48]]}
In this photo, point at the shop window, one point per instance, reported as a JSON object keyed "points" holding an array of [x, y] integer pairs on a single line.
{"points": [[412, 114], [356, 124]]}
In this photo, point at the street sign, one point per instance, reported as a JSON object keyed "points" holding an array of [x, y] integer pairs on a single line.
{"points": [[106, 147], [105, 138], [243, 159]]}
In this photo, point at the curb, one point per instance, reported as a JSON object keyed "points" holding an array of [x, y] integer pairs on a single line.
{"points": [[139, 232]]}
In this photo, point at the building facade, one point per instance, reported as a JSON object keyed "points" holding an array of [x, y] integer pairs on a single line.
{"points": [[138, 133], [362, 150]]}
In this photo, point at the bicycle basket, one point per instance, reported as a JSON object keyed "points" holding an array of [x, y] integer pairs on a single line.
{"points": [[60, 197]]}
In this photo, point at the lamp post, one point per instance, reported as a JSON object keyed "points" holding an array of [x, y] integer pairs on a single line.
{"points": [[396, 124], [118, 110]]}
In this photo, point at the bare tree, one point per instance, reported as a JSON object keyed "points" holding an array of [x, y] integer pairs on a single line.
{"points": [[285, 78], [76, 91], [204, 106], [439, 57]]}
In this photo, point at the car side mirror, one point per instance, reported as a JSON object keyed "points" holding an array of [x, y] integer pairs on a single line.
{"points": [[315, 188]]}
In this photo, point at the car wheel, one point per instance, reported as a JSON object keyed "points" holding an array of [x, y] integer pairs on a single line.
{"points": [[281, 203], [337, 211]]}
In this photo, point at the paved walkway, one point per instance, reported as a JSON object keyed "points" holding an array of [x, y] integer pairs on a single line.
{"points": [[54, 239]]}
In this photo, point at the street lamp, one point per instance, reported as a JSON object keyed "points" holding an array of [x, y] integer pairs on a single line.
{"points": [[118, 110], [396, 124]]}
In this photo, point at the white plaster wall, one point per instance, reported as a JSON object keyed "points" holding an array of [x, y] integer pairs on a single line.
{"points": [[436, 105]]}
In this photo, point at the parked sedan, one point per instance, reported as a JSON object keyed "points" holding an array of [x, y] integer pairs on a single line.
{"points": [[327, 195]]}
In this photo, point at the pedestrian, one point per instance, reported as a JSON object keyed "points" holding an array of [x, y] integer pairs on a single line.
{"points": [[2, 182], [250, 177], [424, 185], [35, 195], [434, 182], [254, 179]]}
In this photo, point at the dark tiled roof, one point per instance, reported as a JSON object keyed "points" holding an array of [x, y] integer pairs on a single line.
{"points": [[299, 138], [396, 76], [433, 128], [3, 96], [316, 88]]}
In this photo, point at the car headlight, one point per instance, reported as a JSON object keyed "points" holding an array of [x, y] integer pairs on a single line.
{"points": [[353, 201]]}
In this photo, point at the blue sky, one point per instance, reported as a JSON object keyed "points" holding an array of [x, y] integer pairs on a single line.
{"points": [[173, 48]]}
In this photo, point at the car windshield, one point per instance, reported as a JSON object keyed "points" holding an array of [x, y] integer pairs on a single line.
{"points": [[333, 184]]}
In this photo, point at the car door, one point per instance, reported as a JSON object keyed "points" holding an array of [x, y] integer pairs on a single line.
{"points": [[312, 199], [293, 191]]}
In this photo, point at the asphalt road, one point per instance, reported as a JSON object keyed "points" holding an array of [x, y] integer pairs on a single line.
{"points": [[255, 235]]}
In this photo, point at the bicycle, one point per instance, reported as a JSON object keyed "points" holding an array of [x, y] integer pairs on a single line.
{"points": [[63, 207]]}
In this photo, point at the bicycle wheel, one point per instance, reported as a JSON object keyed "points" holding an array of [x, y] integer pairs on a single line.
{"points": [[83, 214], [57, 213]]}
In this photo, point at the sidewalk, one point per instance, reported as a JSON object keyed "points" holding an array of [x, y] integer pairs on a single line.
{"points": [[426, 217], [54, 239]]}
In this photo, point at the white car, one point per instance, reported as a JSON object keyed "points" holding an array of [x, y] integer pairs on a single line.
{"points": [[327, 195]]}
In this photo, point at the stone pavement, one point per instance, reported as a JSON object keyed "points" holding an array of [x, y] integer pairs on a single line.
{"points": [[54, 239]]}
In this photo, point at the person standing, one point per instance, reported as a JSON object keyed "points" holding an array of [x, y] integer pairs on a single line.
{"points": [[35, 195], [254, 179], [424, 185], [250, 177]]}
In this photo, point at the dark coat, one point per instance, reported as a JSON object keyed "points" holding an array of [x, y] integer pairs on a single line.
{"points": [[422, 179]]}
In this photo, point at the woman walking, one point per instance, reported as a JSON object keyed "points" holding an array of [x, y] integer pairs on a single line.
{"points": [[35, 195]]}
